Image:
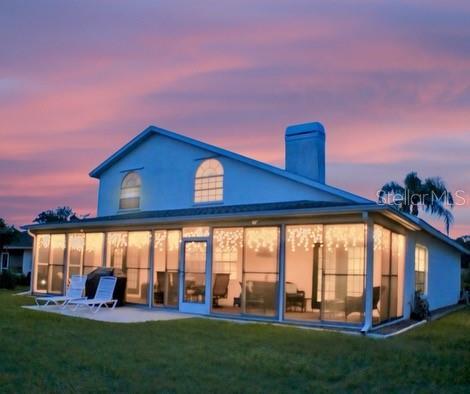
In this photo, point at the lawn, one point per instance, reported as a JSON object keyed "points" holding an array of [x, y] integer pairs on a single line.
{"points": [[47, 352]]}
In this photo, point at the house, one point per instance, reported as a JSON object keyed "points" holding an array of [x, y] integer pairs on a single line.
{"points": [[17, 255], [208, 231]]}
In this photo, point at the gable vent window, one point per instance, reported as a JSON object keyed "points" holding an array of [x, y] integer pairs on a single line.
{"points": [[130, 191], [209, 182]]}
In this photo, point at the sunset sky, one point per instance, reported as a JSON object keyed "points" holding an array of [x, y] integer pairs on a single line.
{"points": [[390, 81]]}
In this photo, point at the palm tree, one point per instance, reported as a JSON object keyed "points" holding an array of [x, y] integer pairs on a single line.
{"points": [[431, 196]]}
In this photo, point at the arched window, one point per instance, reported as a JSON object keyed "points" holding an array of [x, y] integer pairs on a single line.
{"points": [[209, 182], [130, 191]]}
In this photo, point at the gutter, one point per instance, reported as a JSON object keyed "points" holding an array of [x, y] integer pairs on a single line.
{"points": [[33, 258]]}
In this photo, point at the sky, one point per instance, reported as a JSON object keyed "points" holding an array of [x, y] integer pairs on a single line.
{"points": [[389, 80]]}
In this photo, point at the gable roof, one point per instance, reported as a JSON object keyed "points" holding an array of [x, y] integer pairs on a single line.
{"points": [[153, 130], [23, 241]]}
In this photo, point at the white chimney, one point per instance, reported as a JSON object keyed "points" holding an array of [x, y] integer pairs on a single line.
{"points": [[305, 150]]}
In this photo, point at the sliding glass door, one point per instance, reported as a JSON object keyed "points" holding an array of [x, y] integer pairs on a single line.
{"points": [[261, 271], [166, 267], [389, 262], [137, 266], [325, 273]]}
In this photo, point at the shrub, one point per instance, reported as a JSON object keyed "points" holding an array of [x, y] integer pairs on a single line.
{"points": [[7, 280], [466, 279], [23, 280], [420, 310]]}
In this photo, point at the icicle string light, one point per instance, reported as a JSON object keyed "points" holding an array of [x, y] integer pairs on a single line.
{"points": [[194, 232], [76, 242], [262, 238], [304, 236], [170, 239], [346, 236], [44, 241], [228, 240]]}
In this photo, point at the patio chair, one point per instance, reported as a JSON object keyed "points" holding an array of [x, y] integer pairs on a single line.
{"points": [[220, 289], [294, 298], [74, 292], [356, 304], [103, 296]]}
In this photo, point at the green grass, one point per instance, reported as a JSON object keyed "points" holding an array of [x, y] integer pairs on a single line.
{"points": [[43, 352]]}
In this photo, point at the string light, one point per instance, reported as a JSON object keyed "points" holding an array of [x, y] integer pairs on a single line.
{"points": [[118, 240], [194, 232], [304, 236], [94, 242], [344, 235], [228, 240], [261, 238], [169, 239], [44, 241], [76, 242]]}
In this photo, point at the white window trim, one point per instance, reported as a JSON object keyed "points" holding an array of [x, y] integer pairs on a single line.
{"points": [[426, 266], [8, 261], [125, 190], [196, 178]]}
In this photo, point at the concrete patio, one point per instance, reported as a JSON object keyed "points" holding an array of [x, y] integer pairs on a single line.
{"points": [[125, 314]]}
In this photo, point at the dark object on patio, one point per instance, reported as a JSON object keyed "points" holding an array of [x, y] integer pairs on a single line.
{"points": [[159, 289], [220, 289], [93, 279], [356, 304], [420, 309], [294, 298]]}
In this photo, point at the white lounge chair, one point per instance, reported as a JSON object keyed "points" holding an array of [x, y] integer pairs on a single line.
{"points": [[74, 292], [103, 296]]}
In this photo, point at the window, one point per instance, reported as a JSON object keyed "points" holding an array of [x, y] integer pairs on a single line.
{"points": [[50, 262], [421, 268], [93, 256], [209, 182], [389, 267], [75, 248], [130, 191], [343, 273], [228, 250], [4, 261]]}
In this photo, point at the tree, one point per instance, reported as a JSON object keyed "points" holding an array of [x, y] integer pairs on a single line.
{"points": [[430, 195], [58, 215], [8, 233], [465, 241]]}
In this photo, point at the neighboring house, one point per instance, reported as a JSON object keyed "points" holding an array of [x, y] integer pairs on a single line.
{"points": [[17, 255], [205, 230]]}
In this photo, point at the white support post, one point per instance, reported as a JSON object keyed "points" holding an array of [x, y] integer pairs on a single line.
{"points": [[282, 272], [409, 277], [104, 258], [369, 293], [66, 263], [209, 300], [151, 270], [32, 277]]}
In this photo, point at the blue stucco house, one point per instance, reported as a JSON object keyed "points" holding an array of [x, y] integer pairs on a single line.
{"points": [[205, 230]]}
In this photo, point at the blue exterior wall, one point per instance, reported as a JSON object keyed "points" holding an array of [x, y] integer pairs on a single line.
{"points": [[443, 280], [167, 168]]}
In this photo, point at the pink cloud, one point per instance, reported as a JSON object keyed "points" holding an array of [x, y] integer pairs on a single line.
{"points": [[381, 77]]}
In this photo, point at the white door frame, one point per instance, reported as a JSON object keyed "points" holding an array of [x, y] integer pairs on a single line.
{"points": [[192, 307]]}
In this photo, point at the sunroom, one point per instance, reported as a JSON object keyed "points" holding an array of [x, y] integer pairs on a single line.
{"points": [[336, 270]]}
